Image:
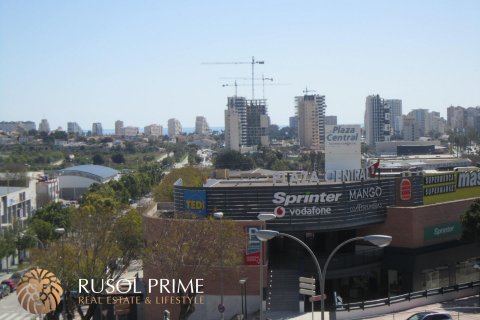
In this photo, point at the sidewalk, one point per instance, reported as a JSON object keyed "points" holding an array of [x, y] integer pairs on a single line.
{"points": [[5, 275], [460, 309]]}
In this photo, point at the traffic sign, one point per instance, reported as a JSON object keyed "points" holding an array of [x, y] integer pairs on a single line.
{"points": [[307, 286], [307, 280], [318, 297], [221, 308], [307, 292]]}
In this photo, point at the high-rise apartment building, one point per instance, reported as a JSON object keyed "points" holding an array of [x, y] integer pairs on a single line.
{"points": [[421, 117], [395, 106], [174, 128], [310, 110], [74, 128], [258, 123], [153, 130], [377, 120], [44, 126], [293, 124], [232, 130], [130, 131], [97, 129], [239, 105], [9, 126], [119, 128], [410, 129], [201, 125], [246, 123]]}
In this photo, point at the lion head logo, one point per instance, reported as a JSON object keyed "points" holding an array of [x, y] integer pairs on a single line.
{"points": [[39, 291]]}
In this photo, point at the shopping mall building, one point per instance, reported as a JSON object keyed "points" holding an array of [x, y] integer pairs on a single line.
{"points": [[420, 210]]}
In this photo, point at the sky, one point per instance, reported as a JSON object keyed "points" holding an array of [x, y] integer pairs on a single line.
{"points": [[143, 61]]}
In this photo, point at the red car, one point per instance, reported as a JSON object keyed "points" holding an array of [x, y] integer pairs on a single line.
{"points": [[12, 284]]}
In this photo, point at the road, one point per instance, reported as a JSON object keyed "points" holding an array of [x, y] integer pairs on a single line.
{"points": [[10, 309]]}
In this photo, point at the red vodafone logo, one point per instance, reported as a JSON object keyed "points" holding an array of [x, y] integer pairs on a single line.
{"points": [[279, 212], [405, 190]]}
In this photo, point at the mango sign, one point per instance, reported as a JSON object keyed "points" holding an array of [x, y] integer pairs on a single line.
{"points": [[195, 201]]}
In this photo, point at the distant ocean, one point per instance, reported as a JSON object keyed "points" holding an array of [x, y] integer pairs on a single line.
{"points": [[165, 130]]}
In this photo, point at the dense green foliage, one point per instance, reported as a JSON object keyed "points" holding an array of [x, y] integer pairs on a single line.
{"points": [[471, 222]]}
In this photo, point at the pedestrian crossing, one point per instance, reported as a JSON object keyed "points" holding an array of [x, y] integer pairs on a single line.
{"points": [[16, 316]]}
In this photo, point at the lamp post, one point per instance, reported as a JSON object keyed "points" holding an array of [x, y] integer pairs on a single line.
{"points": [[263, 217], [243, 283], [23, 234], [378, 240], [221, 307], [61, 232]]}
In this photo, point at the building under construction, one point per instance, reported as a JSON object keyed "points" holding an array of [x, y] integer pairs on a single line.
{"points": [[246, 123]]}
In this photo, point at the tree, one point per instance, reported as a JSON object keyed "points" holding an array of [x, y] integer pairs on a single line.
{"points": [[233, 160], [177, 254], [190, 176], [98, 159], [471, 222], [118, 158], [96, 250], [7, 245]]}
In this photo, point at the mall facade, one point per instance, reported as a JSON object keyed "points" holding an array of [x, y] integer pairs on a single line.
{"points": [[421, 211]]}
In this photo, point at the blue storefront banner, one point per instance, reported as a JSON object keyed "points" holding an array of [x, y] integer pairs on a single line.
{"points": [[195, 201]]}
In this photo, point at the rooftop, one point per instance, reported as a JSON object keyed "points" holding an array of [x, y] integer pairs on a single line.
{"points": [[101, 173], [7, 190]]}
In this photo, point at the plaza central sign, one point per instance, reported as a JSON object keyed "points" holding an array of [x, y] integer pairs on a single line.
{"points": [[305, 177]]}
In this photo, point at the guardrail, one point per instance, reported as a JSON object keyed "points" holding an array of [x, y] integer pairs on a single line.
{"points": [[405, 297]]}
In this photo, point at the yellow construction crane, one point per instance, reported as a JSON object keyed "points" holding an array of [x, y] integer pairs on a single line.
{"points": [[253, 62]]}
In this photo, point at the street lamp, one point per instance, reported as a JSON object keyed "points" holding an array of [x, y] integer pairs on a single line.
{"points": [[243, 283], [221, 307], [378, 240], [263, 217], [23, 234], [61, 232]]}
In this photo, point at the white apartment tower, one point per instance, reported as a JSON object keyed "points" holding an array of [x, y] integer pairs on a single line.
{"points": [[74, 128], [153, 130], [310, 111], [174, 128], [395, 115], [44, 126], [377, 120], [201, 125], [232, 130], [97, 129], [119, 128], [246, 123]]}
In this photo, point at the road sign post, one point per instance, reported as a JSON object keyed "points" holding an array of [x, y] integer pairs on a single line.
{"points": [[307, 288]]}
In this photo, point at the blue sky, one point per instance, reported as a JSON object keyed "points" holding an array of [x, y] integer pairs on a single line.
{"points": [[141, 61]]}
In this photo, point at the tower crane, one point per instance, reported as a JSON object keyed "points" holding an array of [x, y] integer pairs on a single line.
{"points": [[263, 78], [253, 62], [306, 91]]}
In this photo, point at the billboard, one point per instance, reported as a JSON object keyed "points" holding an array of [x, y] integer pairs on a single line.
{"points": [[342, 147], [252, 252], [449, 186], [195, 201], [304, 207], [445, 230]]}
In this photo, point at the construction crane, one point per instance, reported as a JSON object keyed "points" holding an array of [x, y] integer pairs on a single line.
{"points": [[263, 78], [306, 91], [253, 62]]}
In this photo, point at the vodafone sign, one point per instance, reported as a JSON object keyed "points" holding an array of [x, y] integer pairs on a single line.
{"points": [[279, 212], [405, 190]]}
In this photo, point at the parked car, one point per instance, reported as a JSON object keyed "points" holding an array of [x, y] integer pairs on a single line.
{"points": [[4, 290], [17, 276], [431, 316], [12, 284]]}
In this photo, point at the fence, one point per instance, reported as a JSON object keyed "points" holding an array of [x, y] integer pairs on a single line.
{"points": [[393, 305]]}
